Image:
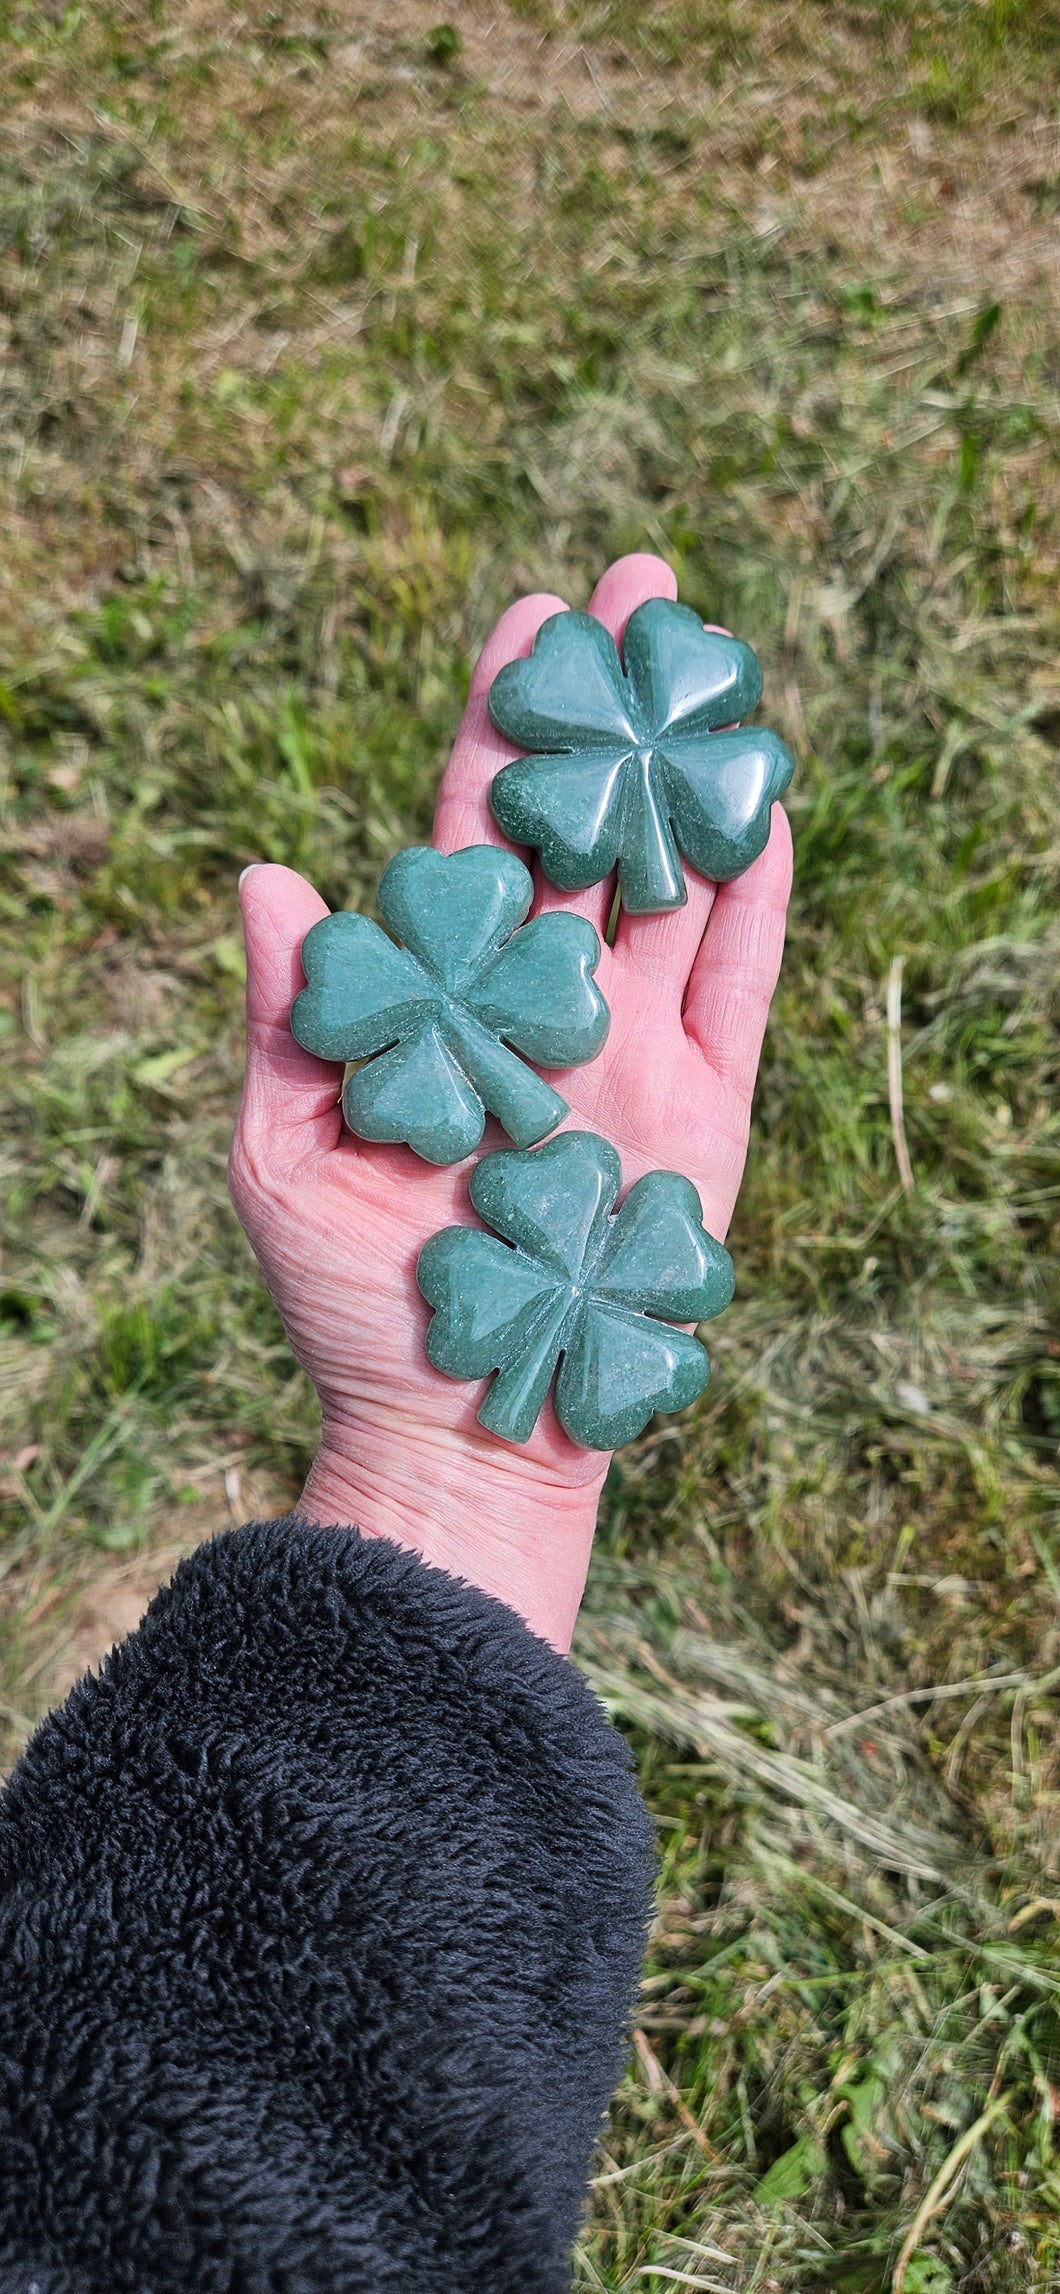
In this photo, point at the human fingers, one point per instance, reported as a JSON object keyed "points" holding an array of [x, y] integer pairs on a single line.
{"points": [[735, 973], [462, 814], [629, 582], [288, 1095]]}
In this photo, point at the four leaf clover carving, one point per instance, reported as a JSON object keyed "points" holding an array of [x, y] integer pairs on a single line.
{"points": [[562, 1281], [433, 1019], [630, 764]]}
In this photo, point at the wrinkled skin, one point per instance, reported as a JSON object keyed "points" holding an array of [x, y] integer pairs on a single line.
{"points": [[337, 1225]]}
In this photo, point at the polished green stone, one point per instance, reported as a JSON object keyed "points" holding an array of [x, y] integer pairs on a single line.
{"points": [[563, 1281], [433, 1019], [629, 767]]}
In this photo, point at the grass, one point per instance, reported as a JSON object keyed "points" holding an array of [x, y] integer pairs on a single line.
{"points": [[327, 333]]}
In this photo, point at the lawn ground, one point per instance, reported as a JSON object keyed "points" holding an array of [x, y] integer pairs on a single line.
{"points": [[327, 330]]}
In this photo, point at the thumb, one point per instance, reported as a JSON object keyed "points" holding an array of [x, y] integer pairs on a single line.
{"points": [[285, 1089]]}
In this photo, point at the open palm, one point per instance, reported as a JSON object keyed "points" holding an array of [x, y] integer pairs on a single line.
{"points": [[337, 1225]]}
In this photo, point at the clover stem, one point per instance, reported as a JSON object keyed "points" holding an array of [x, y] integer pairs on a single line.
{"points": [[650, 874], [517, 1394], [525, 1104]]}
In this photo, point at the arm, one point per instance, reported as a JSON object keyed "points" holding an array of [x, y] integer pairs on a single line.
{"points": [[320, 1912]]}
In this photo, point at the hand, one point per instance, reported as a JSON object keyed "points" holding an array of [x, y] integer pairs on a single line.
{"points": [[337, 1224]]}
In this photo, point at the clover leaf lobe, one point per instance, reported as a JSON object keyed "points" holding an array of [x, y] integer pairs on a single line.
{"points": [[659, 1256], [487, 1300], [453, 909], [538, 992], [416, 1093], [688, 678], [569, 808], [620, 1369], [359, 989], [721, 795], [568, 691], [554, 1204]]}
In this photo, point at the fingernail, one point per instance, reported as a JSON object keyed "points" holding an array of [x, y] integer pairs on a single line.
{"points": [[245, 872]]}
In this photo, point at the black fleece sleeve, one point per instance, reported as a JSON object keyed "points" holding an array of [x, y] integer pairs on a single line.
{"points": [[321, 1912]]}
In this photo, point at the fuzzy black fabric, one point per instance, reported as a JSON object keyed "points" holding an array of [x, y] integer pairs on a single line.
{"points": [[321, 1912]]}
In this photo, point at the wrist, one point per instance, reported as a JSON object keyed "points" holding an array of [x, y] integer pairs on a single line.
{"points": [[513, 1526]]}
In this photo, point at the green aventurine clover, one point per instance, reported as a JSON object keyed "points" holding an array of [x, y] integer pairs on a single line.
{"points": [[570, 1284], [631, 768], [432, 1019]]}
